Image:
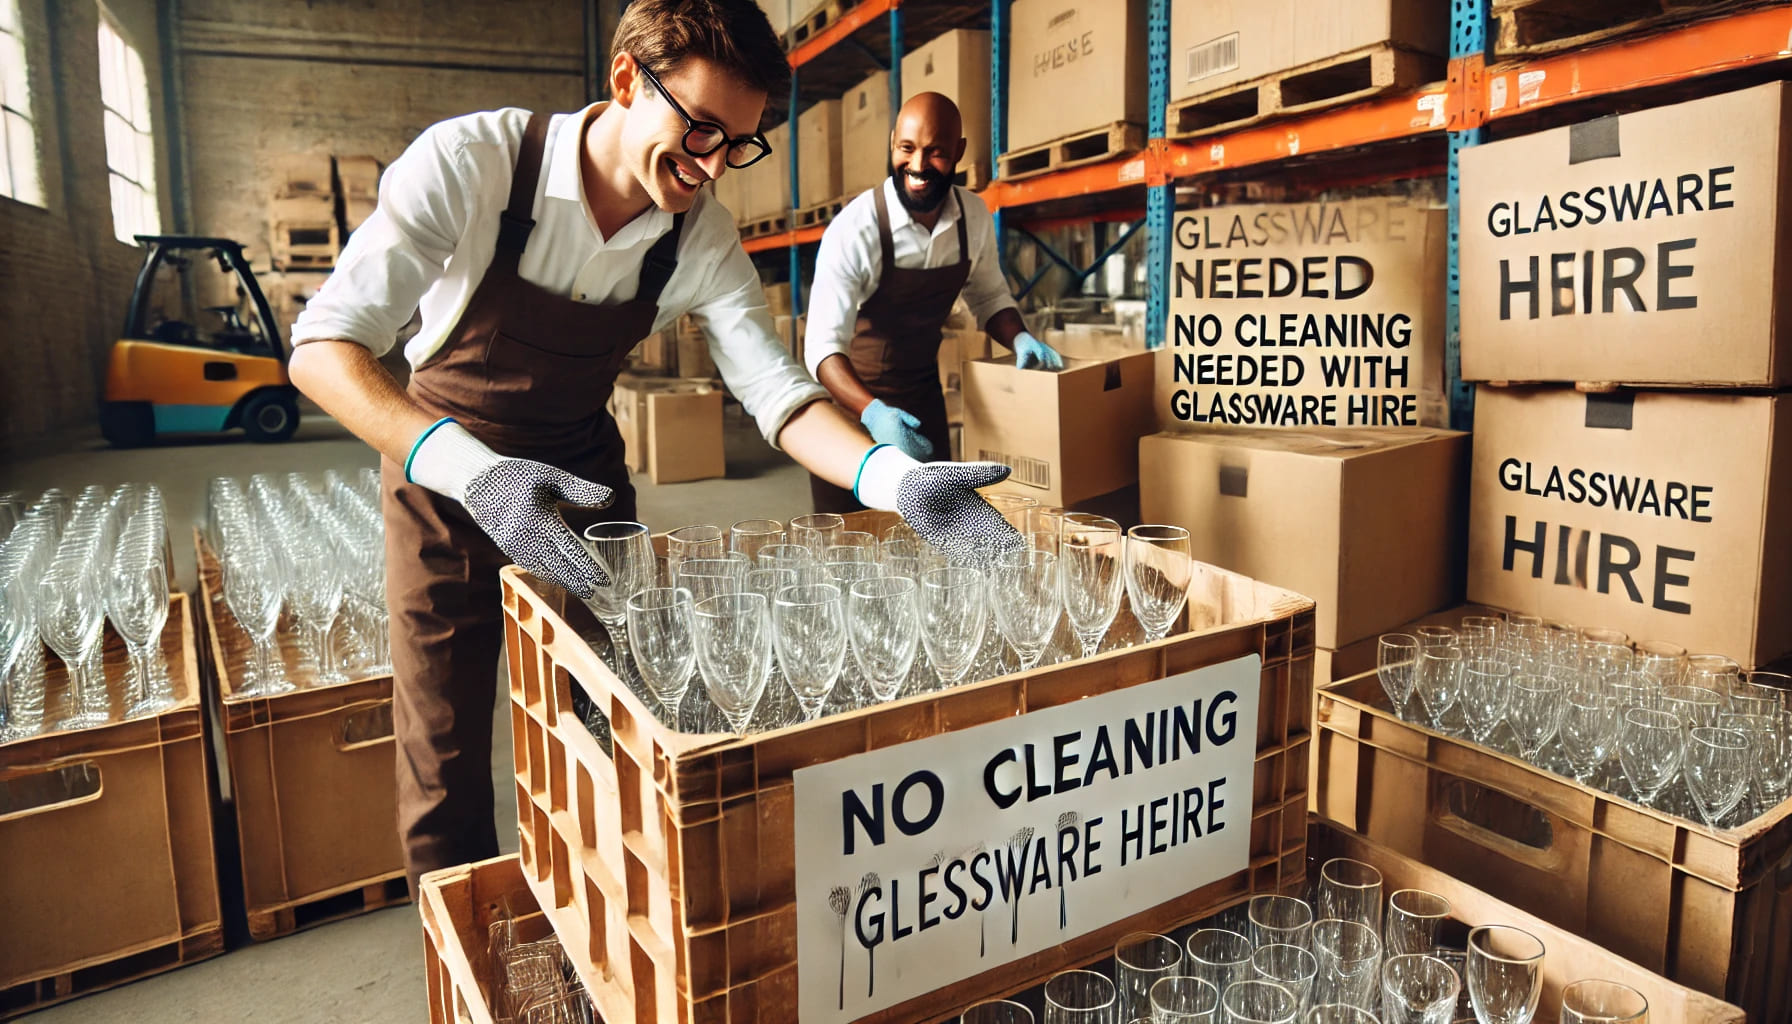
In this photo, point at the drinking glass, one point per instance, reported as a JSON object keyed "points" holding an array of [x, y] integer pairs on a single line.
{"points": [[1291, 967], [1024, 588], [1278, 920], [1219, 957], [1712, 671], [733, 638], [1535, 713], [1397, 663], [816, 531], [1650, 748], [1140, 959], [1603, 1002], [849, 553], [883, 617], [786, 556], [315, 593], [1044, 527], [1184, 999], [625, 551], [711, 577], [1350, 890], [1418, 989], [1349, 956], [1437, 636], [1258, 1002], [1158, 570], [1717, 771], [768, 583], [809, 631], [254, 584], [1779, 682], [70, 615], [996, 1011], [750, 536], [1749, 698], [699, 541], [1413, 919], [900, 558], [1659, 663], [1505, 974], [1770, 755], [1339, 1013], [660, 636], [22, 655], [1479, 635], [1485, 693], [137, 604], [1091, 564], [954, 616], [1080, 997], [1588, 730], [1604, 664], [1604, 635], [1439, 680], [1010, 504]]}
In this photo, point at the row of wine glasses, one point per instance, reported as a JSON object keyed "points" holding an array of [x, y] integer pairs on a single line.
{"points": [[70, 565], [308, 555], [1683, 733], [763, 600], [1343, 957]]}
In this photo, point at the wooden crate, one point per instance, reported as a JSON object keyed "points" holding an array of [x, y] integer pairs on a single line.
{"points": [[458, 906], [107, 872], [313, 782], [666, 861], [1711, 910]]}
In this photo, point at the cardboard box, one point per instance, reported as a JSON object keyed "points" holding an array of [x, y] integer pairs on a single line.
{"points": [[359, 176], [1662, 514], [1338, 305], [785, 328], [778, 13], [1369, 523], [1093, 341], [730, 191], [865, 120], [1074, 65], [1647, 248], [956, 65], [657, 354], [1070, 435], [777, 298], [671, 429], [819, 155], [300, 174], [768, 194], [1217, 43]]}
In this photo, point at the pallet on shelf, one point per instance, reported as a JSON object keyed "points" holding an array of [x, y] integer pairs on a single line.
{"points": [[1121, 138], [820, 214], [107, 870], [762, 226], [667, 860], [1332, 82], [1529, 28], [811, 25], [311, 781]]}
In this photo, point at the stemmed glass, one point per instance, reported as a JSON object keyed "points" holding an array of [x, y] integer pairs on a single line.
{"points": [[254, 584], [1535, 713], [710, 577], [1505, 974], [1717, 771], [1140, 959], [884, 618], [1439, 680], [809, 632], [1418, 989], [1603, 1002], [661, 635], [1024, 590], [1184, 999], [1397, 663], [1090, 564], [70, 614], [954, 616], [1158, 571], [733, 636], [137, 604], [1588, 729], [817, 531], [625, 551], [1484, 695], [1649, 750], [316, 595], [698, 541], [1770, 755]]}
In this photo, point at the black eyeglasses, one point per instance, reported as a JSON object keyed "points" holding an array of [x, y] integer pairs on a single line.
{"points": [[701, 138]]}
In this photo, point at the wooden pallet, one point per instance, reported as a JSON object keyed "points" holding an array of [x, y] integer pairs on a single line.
{"points": [[809, 26], [305, 246], [763, 226], [203, 943], [821, 213], [1526, 28], [274, 922], [974, 176], [1118, 139], [1331, 82]]}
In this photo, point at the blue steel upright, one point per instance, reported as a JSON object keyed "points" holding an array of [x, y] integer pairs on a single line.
{"points": [[1159, 199], [796, 262], [1468, 37], [998, 107]]}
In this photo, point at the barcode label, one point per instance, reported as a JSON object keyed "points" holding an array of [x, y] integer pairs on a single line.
{"points": [[1213, 58], [1032, 472]]}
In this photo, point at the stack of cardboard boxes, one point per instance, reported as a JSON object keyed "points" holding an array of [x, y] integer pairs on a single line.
{"points": [[668, 406], [1073, 70]]}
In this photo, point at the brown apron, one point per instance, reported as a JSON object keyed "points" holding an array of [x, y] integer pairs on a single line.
{"points": [[528, 372], [896, 351]]}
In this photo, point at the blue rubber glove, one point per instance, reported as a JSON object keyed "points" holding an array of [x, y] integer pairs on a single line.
{"points": [[1031, 353], [890, 425]]}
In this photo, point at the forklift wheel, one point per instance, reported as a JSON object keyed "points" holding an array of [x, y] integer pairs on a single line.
{"points": [[128, 424], [269, 416]]}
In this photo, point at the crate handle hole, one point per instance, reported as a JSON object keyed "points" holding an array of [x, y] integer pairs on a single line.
{"points": [[39, 791]]}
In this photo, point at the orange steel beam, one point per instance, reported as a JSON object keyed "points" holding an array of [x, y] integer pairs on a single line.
{"points": [[1378, 120], [1077, 181], [783, 239], [851, 22]]}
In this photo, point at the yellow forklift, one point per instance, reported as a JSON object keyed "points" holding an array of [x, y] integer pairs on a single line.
{"points": [[201, 352]]}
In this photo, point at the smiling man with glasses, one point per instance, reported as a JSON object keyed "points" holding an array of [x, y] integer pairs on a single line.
{"points": [[539, 250]]}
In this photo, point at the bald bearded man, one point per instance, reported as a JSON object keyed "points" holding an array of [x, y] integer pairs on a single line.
{"points": [[891, 265]]}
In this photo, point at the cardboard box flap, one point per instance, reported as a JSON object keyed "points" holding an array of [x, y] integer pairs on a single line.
{"points": [[1337, 443]]}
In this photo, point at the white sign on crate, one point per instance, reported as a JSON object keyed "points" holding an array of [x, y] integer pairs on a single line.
{"points": [[928, 862]]}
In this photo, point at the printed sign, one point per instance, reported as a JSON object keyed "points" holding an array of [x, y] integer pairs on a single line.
{"points": [[925, 863]]}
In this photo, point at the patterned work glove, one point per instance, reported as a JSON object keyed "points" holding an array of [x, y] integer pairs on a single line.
{"points": [[940, 500], [890, 425], [1031, 353], [514, 501]]}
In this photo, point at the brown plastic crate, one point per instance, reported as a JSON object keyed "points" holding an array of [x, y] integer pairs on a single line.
{"points": [[458, 907], [666, 861], [1711, 910], [106, 866], [313, 781]]}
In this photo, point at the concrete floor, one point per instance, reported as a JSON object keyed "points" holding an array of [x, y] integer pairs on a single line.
{"points": [[367, 968]]}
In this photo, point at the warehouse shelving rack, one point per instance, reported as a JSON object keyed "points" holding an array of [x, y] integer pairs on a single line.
{"points": [[1476, 97]]}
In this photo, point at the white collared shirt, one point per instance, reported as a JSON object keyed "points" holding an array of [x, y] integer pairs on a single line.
{"points": [[850, 264], [430, 240]]}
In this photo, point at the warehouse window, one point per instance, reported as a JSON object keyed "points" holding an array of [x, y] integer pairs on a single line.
{"points": [[130, 147], [19, 175]]}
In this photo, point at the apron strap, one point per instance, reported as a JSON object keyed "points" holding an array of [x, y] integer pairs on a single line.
{"points": [[883, 231], [517, 221], [964, 248], [661, 261]]}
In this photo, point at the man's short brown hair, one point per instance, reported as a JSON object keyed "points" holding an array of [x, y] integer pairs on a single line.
{"points": [[735, 34]]}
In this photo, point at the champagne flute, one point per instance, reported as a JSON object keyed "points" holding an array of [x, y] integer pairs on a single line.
{"points": [[1158, 570], [733, 638], [809, 632], [954, 616], [1090, 566], [1397, 663], [661, 638], [1025, 599], [884, 619], [625, 551]]}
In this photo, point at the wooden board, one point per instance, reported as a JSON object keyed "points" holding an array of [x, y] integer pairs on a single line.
{"points": [[1331, 82], [1121, 138]]}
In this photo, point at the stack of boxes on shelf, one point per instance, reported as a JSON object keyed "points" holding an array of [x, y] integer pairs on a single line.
{"points": [[668, 406], [956, 65], [1073, 64]]}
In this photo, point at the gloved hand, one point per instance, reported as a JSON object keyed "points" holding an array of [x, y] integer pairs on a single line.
{"points": [[1030, 352], [890, 425], [513, 501], [940, 500]]}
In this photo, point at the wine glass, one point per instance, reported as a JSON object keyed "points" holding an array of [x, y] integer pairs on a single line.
{"points": [[137, 604], [1158, 570], [1414, 916], [1658, 663], [661, 638], [1535, 713], [1091, 570], [315, 591], [1275, 919], [1418, 988], [809, 632], [711, 577], [1437, 636], [1505, 974], [901, 558], [884, 618], [733, 637], [1140, 959], [70, 614], [1770, 754], [1588, 729], [751, 536], [954, 616], [817, 531], [1024, 588], [1712, 672], [1397, 663], [1350, 890], [1184, 999], [1439, 680], [1603, 1002], [1080, 997], [1717, 771], [625, 551], [1485, 693], [1254, 1001], [1650, 747], [697, 541], [1219, 957]]}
